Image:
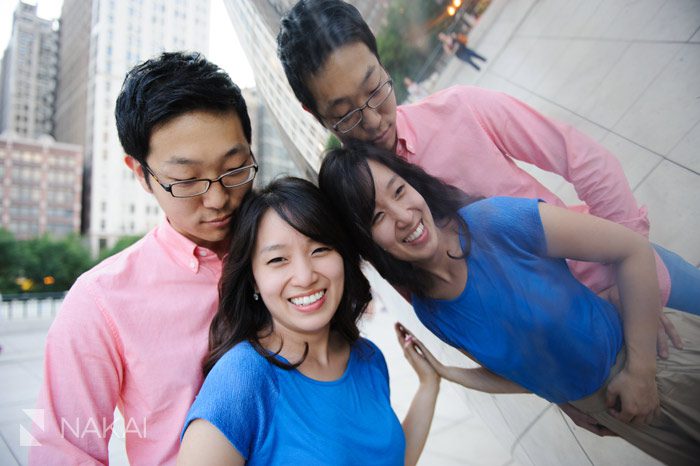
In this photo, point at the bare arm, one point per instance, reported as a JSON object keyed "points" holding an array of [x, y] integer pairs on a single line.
{"points": [[588, 238], [205, 444], [478, 378], [416, 424], [481, 379]]}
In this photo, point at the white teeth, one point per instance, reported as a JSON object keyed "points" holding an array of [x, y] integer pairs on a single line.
{"points": [[308, 300], [416, 233]]}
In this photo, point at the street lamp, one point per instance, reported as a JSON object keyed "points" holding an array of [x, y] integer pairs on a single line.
{"points": [[453, 7]]}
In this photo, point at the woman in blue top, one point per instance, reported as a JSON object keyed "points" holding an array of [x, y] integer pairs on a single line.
{"points": [[288, 378], [489, 278]]}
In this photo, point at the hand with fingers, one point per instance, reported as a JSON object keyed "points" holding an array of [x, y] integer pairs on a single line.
{"points": [[417, 355], [416, 424], [632, 397], [666, 331]]}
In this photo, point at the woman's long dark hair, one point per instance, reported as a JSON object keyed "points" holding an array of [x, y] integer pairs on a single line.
{"points": [[240, 317], [345, 178]]}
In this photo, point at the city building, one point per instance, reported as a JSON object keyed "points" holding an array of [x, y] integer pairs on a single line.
{"points": [[28, 80], [40, 186], [99, 42], [270, 153], [256, 24]]}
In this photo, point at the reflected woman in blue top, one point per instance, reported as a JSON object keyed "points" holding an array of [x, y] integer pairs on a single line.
{"points": [[289, 380], [489, 278]]}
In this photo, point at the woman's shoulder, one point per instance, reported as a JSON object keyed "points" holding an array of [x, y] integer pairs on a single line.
{"points": [[498, 208], [369, 353], [238, 397], [243, 367], [369, 364], [366, 349]]}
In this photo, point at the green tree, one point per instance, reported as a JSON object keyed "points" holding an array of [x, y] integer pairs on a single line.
{"points": [[54, 264], [45, 263], [408, 42], [10, 262], [333, 142]]}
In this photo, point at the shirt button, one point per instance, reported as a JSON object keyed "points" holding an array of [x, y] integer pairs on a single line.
{"points": [[193, 264], [202, 252]]}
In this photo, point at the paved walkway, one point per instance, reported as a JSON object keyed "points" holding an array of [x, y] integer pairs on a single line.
{"points": [[625, 73]]}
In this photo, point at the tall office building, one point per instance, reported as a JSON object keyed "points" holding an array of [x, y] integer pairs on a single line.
{"points": [[256, 24], [270, 153], [28, 82], [100, 41]]}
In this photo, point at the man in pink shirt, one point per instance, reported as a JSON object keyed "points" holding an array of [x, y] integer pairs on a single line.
{"points": [[468, 137], [132, 332]]}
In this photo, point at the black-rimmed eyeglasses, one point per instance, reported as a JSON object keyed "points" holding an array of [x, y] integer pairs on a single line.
{"points": [[375, 100], [190, 188]]}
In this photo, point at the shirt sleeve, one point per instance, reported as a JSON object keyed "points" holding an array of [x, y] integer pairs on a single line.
{"points": [[238, 398], [524, 134], [82, 379], [508, 223]]}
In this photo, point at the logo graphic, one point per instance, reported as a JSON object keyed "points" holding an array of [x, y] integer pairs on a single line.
{"points": [[81, 428], [26, 439]]}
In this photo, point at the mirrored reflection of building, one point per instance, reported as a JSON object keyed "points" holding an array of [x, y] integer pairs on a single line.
{"points": [[28, 80], [271, 154], [95, 55], [256, 25], [40, 186]]}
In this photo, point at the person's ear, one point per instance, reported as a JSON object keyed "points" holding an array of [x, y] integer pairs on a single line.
{"points": [[137, 169]]}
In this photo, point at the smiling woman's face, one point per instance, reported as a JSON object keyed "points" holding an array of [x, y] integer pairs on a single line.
{"points": [[299, 280], [402, 223]]}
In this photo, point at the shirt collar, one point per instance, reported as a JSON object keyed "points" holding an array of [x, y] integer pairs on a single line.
{"points": [[184, 250], [405, 136]]}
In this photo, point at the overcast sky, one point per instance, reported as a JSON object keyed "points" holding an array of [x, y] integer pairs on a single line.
{"points": [[225, 49]]}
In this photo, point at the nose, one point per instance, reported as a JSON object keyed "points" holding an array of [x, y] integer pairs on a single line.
{"points": [[371, 119], [216, 197], [304, 273], [402, 216]]}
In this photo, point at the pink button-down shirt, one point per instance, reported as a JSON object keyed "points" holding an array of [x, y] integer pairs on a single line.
{"points": [[468, 137], [131, 334]]}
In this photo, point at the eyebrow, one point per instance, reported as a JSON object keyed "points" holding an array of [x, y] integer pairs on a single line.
{"points": [[233, 151], [272, 247], [340, 100], [278, 246], [392, 181]]}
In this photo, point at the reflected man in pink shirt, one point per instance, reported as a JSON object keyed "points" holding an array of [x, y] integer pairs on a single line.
{"points": [[132, 332], [467, 136]]}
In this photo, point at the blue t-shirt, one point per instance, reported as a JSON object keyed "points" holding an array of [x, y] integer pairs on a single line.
{"points": [[277, 417], [522, 314]]}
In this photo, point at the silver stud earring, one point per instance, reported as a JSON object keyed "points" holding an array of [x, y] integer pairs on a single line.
{"points": [[256, 296]]}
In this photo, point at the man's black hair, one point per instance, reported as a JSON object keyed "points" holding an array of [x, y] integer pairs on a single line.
{"points": [[309, 33], [168, 86]]}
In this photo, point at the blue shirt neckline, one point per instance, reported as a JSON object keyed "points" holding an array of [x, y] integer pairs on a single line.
{"points": [[298, 374]]}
